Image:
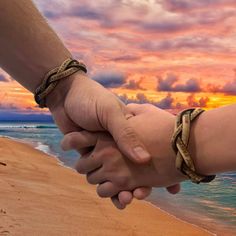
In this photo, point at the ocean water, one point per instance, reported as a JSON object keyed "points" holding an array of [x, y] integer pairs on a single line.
{"points": [[212, 206]]}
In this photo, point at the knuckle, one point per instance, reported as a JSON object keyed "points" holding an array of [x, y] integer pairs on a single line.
{"points": [[79, 168], [122, 181], [90, 179], [70, 140], [101, 193], [127, 133], [107, 154]]}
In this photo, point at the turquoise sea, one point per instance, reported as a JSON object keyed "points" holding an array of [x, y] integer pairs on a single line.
{"points": [[212, 206]]}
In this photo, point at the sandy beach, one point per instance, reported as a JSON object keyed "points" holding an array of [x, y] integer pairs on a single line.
{"points": [[41, 197]]}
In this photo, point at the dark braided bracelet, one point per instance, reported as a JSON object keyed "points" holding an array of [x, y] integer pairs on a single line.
{"points": [[51, 79], [180, 140]]}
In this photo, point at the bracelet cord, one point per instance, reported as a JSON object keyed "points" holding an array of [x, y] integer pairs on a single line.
{"points": [[180, 140], [52, 78]]}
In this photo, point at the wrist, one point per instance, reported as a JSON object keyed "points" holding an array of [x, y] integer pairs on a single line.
{"points": [[198, 143], [58, 96], [165, 150]]}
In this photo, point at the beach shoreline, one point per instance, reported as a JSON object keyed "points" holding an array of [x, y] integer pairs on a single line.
{"points": [[212, 226], [72, 184], [213, 229]]}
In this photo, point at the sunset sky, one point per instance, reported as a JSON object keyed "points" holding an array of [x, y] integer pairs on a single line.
{"points": [[172, 53]]}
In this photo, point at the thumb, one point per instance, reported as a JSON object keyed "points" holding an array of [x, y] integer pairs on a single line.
{"points": [[138, 109], [125, 136]]}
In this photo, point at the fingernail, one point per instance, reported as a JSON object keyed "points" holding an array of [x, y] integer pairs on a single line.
{"points": [[141, 154]]}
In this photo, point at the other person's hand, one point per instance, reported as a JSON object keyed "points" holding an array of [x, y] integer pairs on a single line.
{"points": [[105, 164]]}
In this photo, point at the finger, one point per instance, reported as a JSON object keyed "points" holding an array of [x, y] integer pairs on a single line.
{"points": [[117, 204], [85, 151], [142, 192], [125, 197], [96, 176], [126, 138], [174, 189], [107, 189], [66, 125], [79, 140], [88, 163]]}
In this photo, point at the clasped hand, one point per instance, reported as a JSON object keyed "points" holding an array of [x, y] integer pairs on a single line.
{"points": [[113, 173]]}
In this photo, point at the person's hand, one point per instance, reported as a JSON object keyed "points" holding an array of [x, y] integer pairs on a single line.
{"points": [[80, 103], [88, 105], [106, 166]]}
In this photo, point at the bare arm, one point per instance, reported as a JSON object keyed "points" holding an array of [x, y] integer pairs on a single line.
{"points": [[213, 141], [29, 47], [212, 146]]}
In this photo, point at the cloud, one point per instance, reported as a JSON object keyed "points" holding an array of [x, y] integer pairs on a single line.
{"points": [[107, 13], [194, 39], [179, 43], [126, 58], [168, 102], [98, 26], [213, 88], [9, 106], [169, 84], [110, 79], [165, 26], [74, 9], [134, 85], [114, 79], [186, 5], [141, 98], [165, 103], [193, 102], [192, 85], [85, 12], [229, 88]]}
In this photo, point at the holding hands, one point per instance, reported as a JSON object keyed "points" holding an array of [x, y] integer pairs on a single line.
{"points": [[125, 150], [113, 173]]}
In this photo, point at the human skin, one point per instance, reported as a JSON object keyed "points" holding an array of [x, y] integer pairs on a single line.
{"points": [[211, 145], [106, 164], [27, 55]]}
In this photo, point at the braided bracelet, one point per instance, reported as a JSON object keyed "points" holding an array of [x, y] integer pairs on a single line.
{"points": [[51, 79], [180, 140]]}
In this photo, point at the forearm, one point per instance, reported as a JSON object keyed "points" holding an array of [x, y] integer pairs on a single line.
{"points": [[29, 48], [213, 141]]}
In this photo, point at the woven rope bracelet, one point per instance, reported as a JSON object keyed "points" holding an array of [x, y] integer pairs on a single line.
{"points": [[180, 140], [51, 79]]}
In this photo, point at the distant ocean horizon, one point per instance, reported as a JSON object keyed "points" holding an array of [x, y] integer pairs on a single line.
{"points": [[211, 206]]}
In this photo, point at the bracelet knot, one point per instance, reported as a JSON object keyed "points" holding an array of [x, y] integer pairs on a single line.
{"points": [[180, 140], [51, 79]]}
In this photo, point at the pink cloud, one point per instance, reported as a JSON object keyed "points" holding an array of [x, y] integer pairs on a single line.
{"points": [[171, 83], [193, 40]]}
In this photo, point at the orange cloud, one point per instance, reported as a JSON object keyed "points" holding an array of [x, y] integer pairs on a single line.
{"points": [[185, 39]]}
